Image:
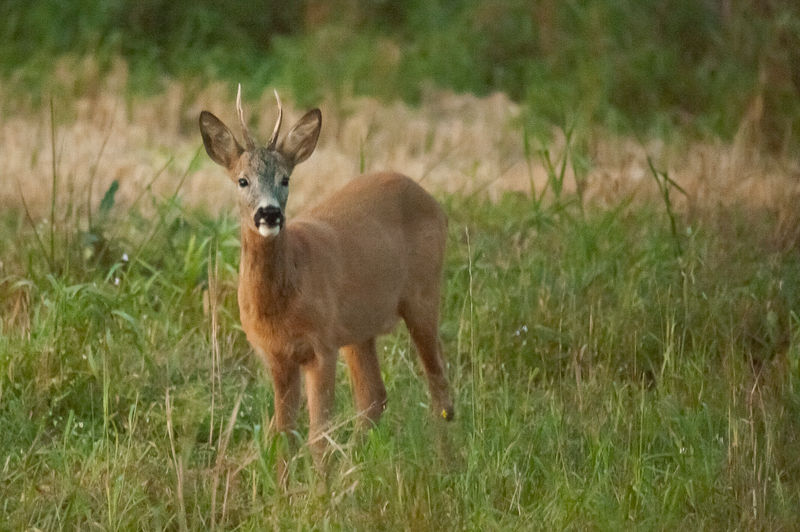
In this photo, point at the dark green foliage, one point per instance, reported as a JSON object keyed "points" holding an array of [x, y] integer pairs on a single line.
{"points": [[107, 203], [641, 66]]}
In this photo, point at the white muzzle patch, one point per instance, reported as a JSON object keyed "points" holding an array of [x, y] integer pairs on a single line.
{"points": [[265, 230]]}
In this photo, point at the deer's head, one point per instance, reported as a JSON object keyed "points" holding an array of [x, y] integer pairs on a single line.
{"points": [[261, 172]]}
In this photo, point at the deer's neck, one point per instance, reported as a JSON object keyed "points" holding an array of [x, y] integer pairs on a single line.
{"points": [[266, 274]]}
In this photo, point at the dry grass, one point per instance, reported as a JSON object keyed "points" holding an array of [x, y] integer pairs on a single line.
{"points": [[452, 143]]}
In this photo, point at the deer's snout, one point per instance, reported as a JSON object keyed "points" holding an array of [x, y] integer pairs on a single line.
{"points": [[270, 215]]}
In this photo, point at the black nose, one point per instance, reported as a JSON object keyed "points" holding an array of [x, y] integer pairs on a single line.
{"points": [[271, 215]]}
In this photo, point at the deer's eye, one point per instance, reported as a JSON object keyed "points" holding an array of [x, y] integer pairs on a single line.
{"points": [[243, 182], [285, 181]]}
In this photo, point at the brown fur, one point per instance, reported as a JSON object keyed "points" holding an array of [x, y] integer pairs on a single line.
{"points": [[336, 277]]}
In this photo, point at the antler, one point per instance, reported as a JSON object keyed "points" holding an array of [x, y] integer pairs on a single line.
{"points": [[249, 141], [273, 140]]}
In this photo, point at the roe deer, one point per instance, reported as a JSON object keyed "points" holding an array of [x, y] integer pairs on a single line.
{"points": [[334, 277]]}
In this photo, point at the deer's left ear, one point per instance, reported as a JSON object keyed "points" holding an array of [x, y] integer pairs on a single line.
{"points": [[302, 139], [220, 143]]}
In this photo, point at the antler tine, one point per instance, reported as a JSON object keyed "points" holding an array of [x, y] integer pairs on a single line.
{"points": [[249, 141], [273, 140]]}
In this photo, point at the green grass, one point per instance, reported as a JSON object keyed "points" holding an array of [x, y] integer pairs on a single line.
{"points": [[602, 380], [626, 367]]}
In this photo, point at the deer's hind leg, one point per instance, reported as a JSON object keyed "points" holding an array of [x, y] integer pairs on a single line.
{"points": [[365, 377], [422, 319]]}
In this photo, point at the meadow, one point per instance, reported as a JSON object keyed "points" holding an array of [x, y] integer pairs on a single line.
{"points": [[620, 316]]}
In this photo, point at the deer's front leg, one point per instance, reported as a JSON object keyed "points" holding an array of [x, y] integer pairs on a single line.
{"points": [[320, 373], [286, 385]]}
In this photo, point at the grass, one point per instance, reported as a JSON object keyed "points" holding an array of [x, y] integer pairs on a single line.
{"points": [[619, 360], [604, 377]]}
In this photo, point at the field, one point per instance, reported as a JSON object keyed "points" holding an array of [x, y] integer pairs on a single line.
{"points": [[621, 316]]}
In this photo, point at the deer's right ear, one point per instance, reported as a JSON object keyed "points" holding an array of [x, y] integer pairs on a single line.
{"points": [[220, 143]]}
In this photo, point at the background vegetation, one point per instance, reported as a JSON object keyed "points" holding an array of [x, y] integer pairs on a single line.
{"points": [[626, 363], [635, 66]]}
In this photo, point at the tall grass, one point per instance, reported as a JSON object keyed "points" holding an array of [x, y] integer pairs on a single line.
{"points": [[601, 381]]}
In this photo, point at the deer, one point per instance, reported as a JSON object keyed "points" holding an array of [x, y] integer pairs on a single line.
{"points": [[333, 278]]}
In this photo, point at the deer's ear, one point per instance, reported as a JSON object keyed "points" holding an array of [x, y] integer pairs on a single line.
{"points": [[220, 143], [302, 139]]}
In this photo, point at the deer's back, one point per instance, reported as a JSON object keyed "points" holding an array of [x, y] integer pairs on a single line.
{"points": [[375, 207], [389, 197]]}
